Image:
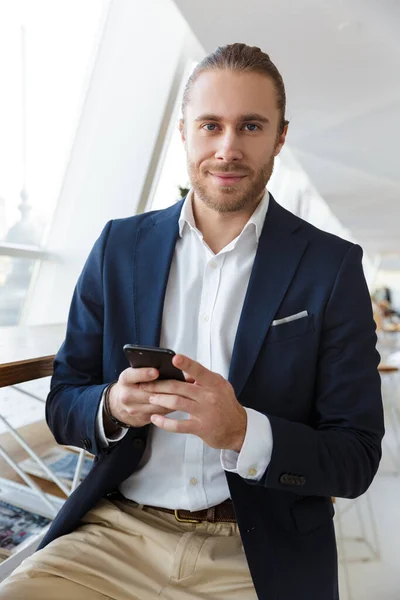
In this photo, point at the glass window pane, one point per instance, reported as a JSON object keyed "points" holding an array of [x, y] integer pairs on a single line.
{"points": [[173, 174], [173, 181], [15, 276], [46, 53]]}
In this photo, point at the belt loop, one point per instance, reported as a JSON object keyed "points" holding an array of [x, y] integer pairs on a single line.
{"points": [[211, 514]]}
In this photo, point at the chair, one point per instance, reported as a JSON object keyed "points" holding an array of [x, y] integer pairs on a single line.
{"points": [[389, 375], [11, 375], [370, 542]]}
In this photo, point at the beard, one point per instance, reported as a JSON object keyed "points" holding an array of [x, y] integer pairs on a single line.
{"points": [[230, 198]]}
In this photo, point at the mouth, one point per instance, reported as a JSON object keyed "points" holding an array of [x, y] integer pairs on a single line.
{"points": [[227, 178]]}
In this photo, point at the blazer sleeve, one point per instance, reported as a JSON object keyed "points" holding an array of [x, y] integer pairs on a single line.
{"points": [[340, 454], [77, 383]]}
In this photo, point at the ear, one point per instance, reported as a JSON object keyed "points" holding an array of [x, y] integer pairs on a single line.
{"points": [[280, 142], [182, 130]]}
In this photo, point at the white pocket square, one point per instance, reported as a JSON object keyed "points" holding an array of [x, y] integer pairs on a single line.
{"points": [[299, 315]]}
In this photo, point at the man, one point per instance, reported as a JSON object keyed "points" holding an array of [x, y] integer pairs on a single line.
{"points": [[218, 487]]}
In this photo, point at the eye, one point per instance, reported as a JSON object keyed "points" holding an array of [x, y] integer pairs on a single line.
{"points": [[252, 126], [212, 126]]}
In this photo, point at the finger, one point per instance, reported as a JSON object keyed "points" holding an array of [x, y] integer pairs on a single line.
{"points": [[188, 378], [147, 409], [185, 426], [132, 396], [195, 370], [131, 375], [173, 402], [172, 386]]}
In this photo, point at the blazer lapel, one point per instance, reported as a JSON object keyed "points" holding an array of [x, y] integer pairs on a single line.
{"points": [[153, 253], [278, 255]]}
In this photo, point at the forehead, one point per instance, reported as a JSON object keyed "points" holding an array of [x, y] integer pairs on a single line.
{"points": [[232, 93]]}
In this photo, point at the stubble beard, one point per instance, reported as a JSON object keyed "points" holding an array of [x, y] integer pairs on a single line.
{"points": [[228, 198]]}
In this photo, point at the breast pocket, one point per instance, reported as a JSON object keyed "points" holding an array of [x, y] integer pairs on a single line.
{"points": [[292, 329]]}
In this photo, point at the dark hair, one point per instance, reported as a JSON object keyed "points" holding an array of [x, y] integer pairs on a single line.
{"points": [[240, 57]]}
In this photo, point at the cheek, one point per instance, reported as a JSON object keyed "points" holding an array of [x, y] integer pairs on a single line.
{"points": [[199, 149], [259, 152]]}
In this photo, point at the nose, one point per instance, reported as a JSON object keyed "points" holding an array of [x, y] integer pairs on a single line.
{"points": [[229, 148]]}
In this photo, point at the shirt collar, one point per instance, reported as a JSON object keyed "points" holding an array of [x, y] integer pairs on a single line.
{"points": [[256, 220], [186, 216]]}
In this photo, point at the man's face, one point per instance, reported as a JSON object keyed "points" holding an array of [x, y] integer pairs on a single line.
{"points": [[230, 132]]}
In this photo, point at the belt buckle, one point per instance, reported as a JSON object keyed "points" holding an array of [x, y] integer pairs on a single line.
{"points": [[184, 520]]}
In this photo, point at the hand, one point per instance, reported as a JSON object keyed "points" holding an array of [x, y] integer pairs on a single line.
{"points": [[129, 403], [216, 416]]}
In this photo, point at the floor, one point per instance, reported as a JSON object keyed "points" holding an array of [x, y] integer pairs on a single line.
{"points": [[376, 577], [370, 578]]}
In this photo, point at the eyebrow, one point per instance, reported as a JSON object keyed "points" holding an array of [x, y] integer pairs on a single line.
{"points": [[249, 117]]}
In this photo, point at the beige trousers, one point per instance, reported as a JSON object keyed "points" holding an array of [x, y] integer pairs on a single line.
{"points": [[124, 552]]}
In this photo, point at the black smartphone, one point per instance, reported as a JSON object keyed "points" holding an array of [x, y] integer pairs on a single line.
{"points": [[157, 358]]}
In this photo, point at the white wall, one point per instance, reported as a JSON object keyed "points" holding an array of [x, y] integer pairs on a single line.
{"points": [[142, 46], [293, 188]]}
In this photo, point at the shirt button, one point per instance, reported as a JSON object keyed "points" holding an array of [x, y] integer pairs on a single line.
{"points": [[213, 264], [205, 318], [193, 481], [252, 471]]}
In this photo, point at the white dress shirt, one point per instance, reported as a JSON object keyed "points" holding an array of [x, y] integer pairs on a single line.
{"points": [[202, 307]]}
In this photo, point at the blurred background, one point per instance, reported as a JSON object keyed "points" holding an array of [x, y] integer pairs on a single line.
{"points": [[89, 106]]}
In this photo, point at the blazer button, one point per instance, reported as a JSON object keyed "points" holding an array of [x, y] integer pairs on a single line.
{"points": [[86, 443], [138, 443], [284, 479]]}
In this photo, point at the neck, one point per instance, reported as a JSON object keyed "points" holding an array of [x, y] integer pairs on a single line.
{"points": [[220, 228]]}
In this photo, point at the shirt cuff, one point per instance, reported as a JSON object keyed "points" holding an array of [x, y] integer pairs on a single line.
{"points": [[253, 459], [101, 436]]}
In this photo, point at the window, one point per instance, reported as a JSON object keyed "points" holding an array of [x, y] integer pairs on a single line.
{"points": [[173, 173], [47, 51]]}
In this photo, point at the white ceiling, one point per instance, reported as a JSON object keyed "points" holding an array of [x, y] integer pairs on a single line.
{"points": [[341, 65]]}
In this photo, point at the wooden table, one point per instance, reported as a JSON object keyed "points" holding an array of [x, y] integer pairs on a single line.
{"points": [[27, 353]]}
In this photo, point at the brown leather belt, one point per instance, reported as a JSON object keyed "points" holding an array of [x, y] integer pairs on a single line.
{"points": [[222, 513]]}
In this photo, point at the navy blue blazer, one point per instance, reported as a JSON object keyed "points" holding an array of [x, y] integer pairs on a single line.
{"points": [[315, 378]]}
